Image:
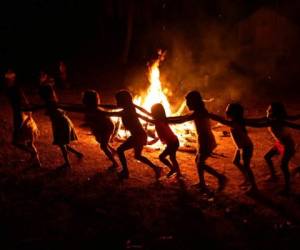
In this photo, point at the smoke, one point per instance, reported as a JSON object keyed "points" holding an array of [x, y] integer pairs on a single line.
{"points": [[202, 61], [228, 61]]}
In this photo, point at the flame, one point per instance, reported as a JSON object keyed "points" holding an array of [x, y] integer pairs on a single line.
{"points": [[156, 94]]}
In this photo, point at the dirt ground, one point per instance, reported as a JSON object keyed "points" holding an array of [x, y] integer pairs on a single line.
{"points": [[90, 208]]}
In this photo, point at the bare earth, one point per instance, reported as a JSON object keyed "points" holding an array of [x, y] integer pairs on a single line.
{"points": [[49, 209]]}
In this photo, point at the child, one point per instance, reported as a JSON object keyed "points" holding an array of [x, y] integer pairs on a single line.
{"points": [[206, 139], [24, 127], [100, 125], [138, 136], [62, 127], [277, 123], [243, 143], [166, 135]]}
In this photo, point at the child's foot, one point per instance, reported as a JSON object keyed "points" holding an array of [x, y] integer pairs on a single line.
{"points": [[36, 164], [79, 155], [180, 176], [284, 192], [245, 185], [157, 171], [295, 171], [222, 180], [252, 191], [112, 168], [203, 188], [171, 173], [272, 178], [65, 166], [123, 174]]}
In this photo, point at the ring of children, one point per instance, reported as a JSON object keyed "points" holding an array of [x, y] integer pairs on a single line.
{"points": [[89, 203]]}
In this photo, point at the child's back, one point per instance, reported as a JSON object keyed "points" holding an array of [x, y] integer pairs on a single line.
{"points": [[281, 133], [100, 125], [240, 136], [206, 139], [164, 132], [131, 122]]}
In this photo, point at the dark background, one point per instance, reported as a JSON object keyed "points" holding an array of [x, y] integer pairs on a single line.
{"points": [[233, 41]]}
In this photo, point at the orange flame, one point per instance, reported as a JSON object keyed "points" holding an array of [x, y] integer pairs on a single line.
{"points": [[155, 93]]}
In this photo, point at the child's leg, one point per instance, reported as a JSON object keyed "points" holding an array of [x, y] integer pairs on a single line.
{"points": [[238, 164], [106, 149], [175, 163], [164, 160], [247, 155], [285, 168], [23, 147], [173, 159], [65, 154], [268, 157], [72, 150], [34, 153], [128, 144], [138, 155], [200, 170], [203, 166]]}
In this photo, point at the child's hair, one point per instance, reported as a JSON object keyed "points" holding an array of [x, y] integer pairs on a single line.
{"points": [[158, 111], [48, 94], [91, 98], [235, 111], [124, 98], [195, 98], [278, 111]]}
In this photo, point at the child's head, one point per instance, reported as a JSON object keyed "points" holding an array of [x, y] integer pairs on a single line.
{"points": [[43, 76], [276, 111], [48, 94], [158, 111], [235, 111], [194, 101], [10, 78], [90, 98], [124, 98]]}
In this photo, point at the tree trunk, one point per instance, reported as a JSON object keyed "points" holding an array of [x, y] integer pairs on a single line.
{"points": [[129, 27]]}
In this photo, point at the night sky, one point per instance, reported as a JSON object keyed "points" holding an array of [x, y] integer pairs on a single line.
{"points": [[35, 33]]}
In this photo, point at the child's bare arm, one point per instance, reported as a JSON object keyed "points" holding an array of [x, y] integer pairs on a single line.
{"points": [[145, 118], [108, 106], [114, 113], [257, 122], [79, 108], [34, 107], [293, 117], [180, 119], [292, 125], [220, 119], [143, 110]]}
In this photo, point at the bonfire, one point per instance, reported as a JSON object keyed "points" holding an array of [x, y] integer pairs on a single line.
{"points": [[156, 93]]}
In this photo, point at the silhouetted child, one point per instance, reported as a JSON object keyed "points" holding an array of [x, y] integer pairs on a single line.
{"points": [[62, 127], [244, 146], [24, 127], [96, 119], [166, 135], [277, 123], [138, 136], [206, 139]]}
